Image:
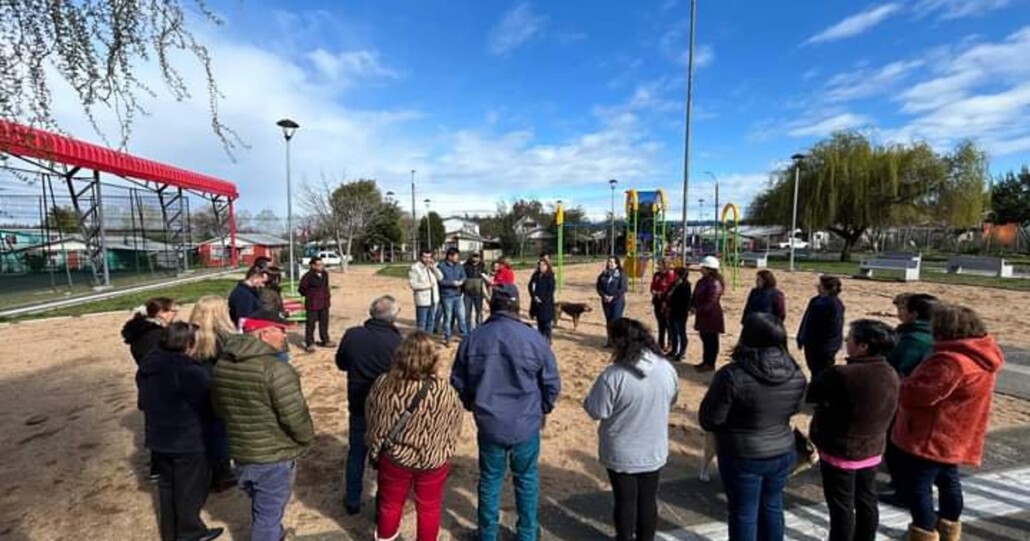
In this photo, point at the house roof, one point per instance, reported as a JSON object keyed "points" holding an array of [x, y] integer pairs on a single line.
{"points": [[245, 239]]}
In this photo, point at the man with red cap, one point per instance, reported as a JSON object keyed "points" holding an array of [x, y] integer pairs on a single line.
{"points": [[269, 425]]}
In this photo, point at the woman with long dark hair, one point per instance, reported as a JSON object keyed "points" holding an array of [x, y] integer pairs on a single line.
{"points": [[271, 293], [632, 399], [612, 285], [175, 395], [541, 291], [748, 408], [821, 334], [417, 454], [706, 304], [765, 297], [677, 309]]}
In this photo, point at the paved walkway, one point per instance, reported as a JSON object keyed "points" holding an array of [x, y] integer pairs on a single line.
{"points": [[1015, 375], [988, 498]]}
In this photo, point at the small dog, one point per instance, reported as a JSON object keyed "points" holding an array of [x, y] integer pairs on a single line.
{"points": [[806, 453], [574, 310]]}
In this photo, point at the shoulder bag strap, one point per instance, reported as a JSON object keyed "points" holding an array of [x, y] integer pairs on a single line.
{"points": [[409, 412]]}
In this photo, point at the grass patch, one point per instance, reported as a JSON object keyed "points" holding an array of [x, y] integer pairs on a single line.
{"points": [[182, 293], [930, 274]]}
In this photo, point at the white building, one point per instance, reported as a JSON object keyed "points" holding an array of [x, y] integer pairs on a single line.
{"points": [[462, 234]]}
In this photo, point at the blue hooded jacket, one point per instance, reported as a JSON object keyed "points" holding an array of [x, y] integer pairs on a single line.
{"points": [[506, 375], [452, 274]]}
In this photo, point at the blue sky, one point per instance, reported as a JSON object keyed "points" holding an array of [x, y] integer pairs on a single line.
{"points": [[496, 100]]}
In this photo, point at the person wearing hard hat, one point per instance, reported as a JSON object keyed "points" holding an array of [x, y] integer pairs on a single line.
{"points": [[707, 309]]}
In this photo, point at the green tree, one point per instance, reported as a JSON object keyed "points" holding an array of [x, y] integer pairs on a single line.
{"points": [[848, 186], [1010, 198], [63, 219], [430, 228], [385, 228], [344, 212]]}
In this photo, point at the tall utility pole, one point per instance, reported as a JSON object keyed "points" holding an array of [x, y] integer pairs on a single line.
{"points": [[686, 143], [429, 229], [611, 251], [414, 221]]}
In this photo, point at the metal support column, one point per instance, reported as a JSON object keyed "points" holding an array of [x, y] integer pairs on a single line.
{"points": [[90, 213]]}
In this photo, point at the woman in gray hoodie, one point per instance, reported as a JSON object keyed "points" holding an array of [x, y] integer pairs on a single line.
{"points": [[632, 399]]}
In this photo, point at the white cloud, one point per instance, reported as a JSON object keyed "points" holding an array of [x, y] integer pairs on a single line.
{"points": [[516, 28], [346, 68], [675, 44], [958, 9], [826, 126], [464, 168], [855, 24], [868, 82], [987, 63]]}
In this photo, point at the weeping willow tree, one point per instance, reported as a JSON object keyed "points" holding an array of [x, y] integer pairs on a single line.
{"points": [[849, 186]]}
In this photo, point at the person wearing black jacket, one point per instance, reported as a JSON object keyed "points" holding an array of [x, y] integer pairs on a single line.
{"points": [[677, 308], [854, 404], [821, 333], [612, 285], [143, 332], [541, 291], [175, 392], [245, 298], [314, 287], [473, 291], [365, 353], [748, 408]]}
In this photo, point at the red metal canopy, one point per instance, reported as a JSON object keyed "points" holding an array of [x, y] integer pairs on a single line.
{"points": [[20, 140]]}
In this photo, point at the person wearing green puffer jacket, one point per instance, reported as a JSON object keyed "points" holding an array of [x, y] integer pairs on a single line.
{"points": [[915, 343], [269, 425]]}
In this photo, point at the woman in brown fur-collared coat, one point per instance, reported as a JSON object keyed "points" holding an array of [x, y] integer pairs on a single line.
{"points": [[418, 454]]}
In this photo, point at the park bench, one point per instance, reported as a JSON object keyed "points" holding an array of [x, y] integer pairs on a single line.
{"points": [[992, 266], [908, 264], [759, 260]]}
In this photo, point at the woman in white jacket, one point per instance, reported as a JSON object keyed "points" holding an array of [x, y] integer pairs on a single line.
{"points": [[632, 399], [425, 278]]}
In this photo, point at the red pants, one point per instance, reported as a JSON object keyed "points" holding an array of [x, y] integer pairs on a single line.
{"points": [[395, 483]]}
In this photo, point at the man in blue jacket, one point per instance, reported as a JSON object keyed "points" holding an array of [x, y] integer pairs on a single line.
{"points": [[506, 375], [245, 298], [450, 295]]}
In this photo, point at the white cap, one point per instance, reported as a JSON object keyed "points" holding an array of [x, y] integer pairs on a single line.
{"points": [[710, 262]]}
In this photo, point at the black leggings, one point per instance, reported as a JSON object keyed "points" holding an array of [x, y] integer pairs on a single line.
{"points": [[636, 505], [818, 361], [663, 324], [709, 347]]}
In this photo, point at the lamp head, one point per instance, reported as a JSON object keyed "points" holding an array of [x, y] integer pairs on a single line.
{"points": [[289, 127], [798, 158], [613, 182]]}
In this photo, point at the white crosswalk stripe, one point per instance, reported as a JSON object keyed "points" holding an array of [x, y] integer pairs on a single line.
{"points": [[986, 496]]}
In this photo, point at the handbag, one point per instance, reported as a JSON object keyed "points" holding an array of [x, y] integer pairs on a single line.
{"points": [[406, 416]]}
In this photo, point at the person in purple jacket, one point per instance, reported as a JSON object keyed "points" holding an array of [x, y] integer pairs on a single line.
{"points": [[707, 309], [314, 287]]}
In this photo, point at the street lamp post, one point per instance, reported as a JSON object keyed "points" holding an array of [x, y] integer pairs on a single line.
{"points": [[429, 229], [414, 221], [798, 158], [611, 251], [700, 224], [390, 201], [289, 128]]}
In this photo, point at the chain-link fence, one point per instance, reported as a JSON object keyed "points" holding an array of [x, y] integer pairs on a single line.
{"points": [[45, 245]]}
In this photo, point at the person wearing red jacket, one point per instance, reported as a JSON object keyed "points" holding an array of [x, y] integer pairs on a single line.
{"points": [[944, 408], [503, 273], [661, 284]]}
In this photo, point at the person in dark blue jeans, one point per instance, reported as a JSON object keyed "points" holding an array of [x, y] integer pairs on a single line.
{"points": [[506, 374], [365, 353], [611, 286], [748, 408], [451, 286]]}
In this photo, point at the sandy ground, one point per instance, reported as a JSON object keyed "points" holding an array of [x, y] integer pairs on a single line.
{"points": [[79, 471]]}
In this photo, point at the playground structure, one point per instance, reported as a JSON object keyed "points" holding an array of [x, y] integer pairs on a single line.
{"points": [[559, 220], [646, 232], [72, 206], [729, 243]]}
